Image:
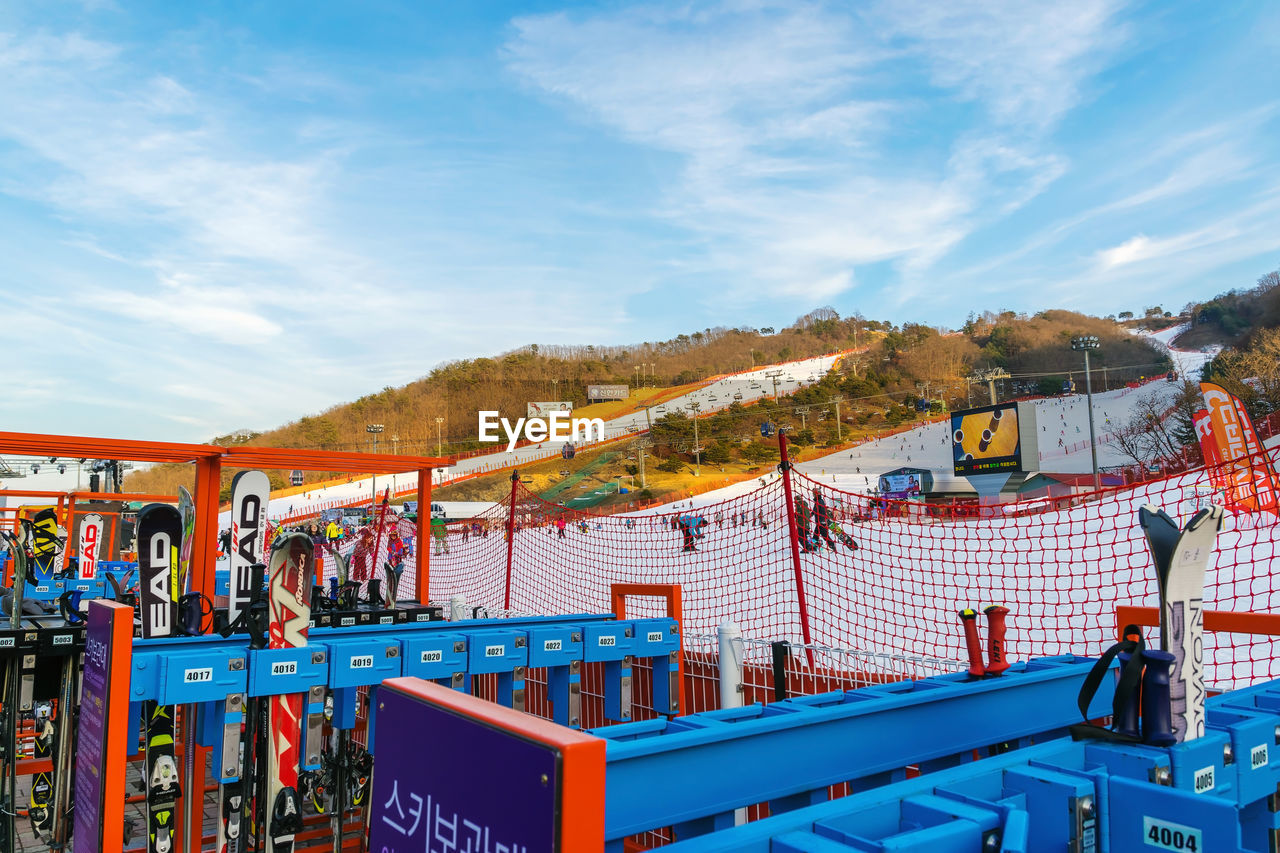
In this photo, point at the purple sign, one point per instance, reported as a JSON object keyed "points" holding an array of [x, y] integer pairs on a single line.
{"points": [[448, 782], [91, 730]]}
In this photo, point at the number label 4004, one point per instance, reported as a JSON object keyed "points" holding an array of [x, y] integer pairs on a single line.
{"points": [[1164, 835]]}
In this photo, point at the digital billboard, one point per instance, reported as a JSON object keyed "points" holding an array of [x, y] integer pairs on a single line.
{"points": [[994, 439]]}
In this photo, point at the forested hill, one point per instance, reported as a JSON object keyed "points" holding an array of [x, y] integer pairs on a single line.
{"points": [[890, 367]]}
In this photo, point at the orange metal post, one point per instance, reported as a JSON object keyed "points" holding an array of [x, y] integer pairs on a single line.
{"points": [[422, 579], [204, 548], [203, 560], [675, 609]]}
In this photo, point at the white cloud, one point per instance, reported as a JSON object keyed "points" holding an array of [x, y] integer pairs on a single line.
{"points": [[791, 172], [1026, 62], [1137, 249]]}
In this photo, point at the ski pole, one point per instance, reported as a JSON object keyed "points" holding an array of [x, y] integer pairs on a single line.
{"points": [[995, 639], [969, 619], [1126, 722]]}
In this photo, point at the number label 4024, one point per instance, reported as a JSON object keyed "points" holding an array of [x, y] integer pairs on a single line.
{"points": [[1164, 835]]}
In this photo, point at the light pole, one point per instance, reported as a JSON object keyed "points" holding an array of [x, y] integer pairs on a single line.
{"points": [[697, 448], [373, 430], [1085, 343], [438, 422], [652, 367], [837, 399]]}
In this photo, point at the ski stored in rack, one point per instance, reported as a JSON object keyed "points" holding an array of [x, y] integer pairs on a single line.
{"points": [[289, 602], [159, 549]]}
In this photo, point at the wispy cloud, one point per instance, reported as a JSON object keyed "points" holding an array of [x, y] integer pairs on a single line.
{"points": [[790, 136]]}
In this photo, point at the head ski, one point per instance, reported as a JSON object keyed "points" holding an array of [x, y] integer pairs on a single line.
{"points": [[89, 545], [249, 494], [159, 548], [1181, 558]]}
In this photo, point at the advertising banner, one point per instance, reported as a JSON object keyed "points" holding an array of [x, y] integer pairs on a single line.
{"points": [[541, 410], [1250, 482], [607, 392]]}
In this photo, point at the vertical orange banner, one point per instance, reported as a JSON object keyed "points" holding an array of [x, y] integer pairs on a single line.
{"points": [[1250, 482]]}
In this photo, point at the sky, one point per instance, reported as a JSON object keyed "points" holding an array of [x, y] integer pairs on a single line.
{"points": [[219, 215]]}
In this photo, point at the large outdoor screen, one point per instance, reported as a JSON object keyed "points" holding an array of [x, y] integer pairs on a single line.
{"points": [[986, 440]]}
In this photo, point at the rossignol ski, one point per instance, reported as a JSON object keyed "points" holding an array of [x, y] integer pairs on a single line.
{"points": [[289, 600], [159, 543], [1181, 558]]}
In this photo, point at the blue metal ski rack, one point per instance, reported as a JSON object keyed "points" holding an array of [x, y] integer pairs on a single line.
{"points": [[1216, 794], [612, 644], [558, 650], [692, 772], [504, 653]]}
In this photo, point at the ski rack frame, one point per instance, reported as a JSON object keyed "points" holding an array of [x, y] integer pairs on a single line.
{"points": [[218, 673], [209, 460], [1220, 789], [659, 772]]}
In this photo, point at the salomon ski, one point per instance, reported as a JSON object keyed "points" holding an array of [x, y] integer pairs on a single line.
{"points": [[1181, 558]]}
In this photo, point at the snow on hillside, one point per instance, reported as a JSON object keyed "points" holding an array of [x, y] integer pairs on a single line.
{"points": [[743, 387]]}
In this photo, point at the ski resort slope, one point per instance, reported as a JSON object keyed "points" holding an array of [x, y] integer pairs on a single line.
{"points": [[1188, 363], [745, 387], [1063, 424], [1062, 572]]}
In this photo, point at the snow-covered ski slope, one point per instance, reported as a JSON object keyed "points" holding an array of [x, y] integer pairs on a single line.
{"points": [[1062, 571], [742, 387]]}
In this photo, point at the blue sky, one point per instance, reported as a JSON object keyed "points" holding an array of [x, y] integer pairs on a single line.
{"points": [[227, 215]]}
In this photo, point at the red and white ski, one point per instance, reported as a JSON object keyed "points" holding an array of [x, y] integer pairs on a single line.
{"points": [[289, 601]]}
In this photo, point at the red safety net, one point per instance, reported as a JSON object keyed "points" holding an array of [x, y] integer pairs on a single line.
{"points": [[887, 606]]}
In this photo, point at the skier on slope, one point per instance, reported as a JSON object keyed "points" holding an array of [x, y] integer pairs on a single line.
{"points": [[803, 520], [682, 524], [440, 534], [822, 516], [396, 552]]}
